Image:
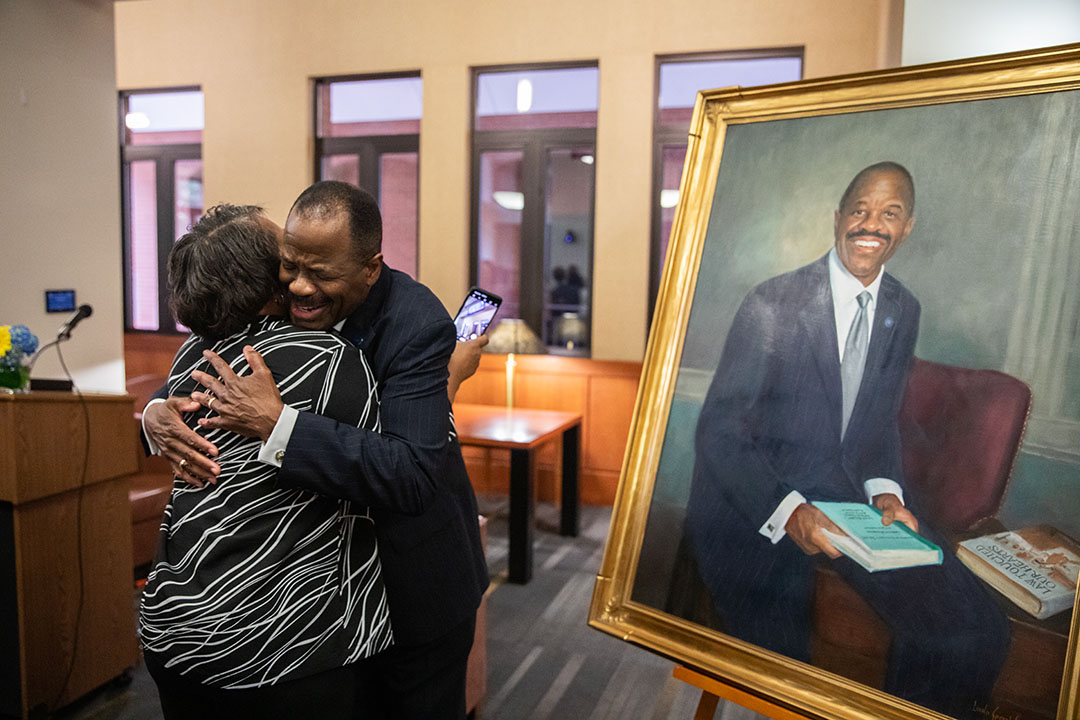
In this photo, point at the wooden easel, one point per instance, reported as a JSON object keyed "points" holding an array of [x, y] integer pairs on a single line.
{"points": [[712, 690]]}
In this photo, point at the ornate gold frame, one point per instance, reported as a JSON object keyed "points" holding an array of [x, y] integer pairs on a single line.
{"points": [[780, 680]]}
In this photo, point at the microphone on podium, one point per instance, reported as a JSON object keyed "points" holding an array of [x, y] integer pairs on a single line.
{"points": [[83, 312]]}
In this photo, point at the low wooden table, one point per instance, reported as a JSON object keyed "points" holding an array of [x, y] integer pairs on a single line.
{"points": [[522, 431]]}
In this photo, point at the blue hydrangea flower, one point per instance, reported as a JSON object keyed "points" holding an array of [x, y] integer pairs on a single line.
{"points": [[23, 339]]}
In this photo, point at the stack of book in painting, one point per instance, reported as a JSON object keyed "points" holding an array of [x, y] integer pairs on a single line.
{"points": [[1036, 567], [873, 545]]}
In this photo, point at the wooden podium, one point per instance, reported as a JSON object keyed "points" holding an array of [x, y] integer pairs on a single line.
{"points": [[42, 451]]}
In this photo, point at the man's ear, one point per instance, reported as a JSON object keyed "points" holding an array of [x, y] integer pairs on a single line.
{"points": [[373, 268]]}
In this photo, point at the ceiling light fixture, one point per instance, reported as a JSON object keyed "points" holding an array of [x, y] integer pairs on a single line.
{"points": [[137, 121], [509, 199], [524, 95]]}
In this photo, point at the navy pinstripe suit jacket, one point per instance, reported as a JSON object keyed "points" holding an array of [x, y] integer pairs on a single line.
{"points": [[411, 474]]}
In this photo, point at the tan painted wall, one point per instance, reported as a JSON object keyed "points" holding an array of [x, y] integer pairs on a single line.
{"points": [[255, 61], [60, 180]]}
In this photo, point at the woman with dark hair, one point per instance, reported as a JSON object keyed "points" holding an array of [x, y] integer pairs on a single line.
{"points": [[260, 597]]}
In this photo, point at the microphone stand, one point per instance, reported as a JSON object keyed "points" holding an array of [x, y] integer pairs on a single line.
{"points": [[35, 356], [69, 384]]}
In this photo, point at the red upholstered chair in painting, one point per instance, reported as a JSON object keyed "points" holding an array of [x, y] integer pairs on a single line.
{"points": [[960, 431]]}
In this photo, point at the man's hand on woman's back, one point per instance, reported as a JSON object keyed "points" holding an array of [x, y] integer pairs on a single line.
{"points": [[249, 405], [188, 453]]}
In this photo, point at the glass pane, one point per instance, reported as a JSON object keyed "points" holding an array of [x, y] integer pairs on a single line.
{"points": [[499, 243], [164, 118], [382, 106], [345, 168], [143, 251], [398, 180], [529, 99], [188, 205], [681, 81], [671, 174], [568, 248]]}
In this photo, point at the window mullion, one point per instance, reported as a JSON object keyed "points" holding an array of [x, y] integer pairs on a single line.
{"points": [[368, 153], [532, 235], [166, 237], [126, 241]]}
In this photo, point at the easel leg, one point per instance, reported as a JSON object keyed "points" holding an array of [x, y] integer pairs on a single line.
{"points": [[712, 690], [706, 707]]}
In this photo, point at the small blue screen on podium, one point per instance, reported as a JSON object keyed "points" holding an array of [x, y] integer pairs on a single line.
{"points": [[59, 300]]}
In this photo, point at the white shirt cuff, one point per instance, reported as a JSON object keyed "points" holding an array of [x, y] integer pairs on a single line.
{"points": [[774, 526], [150, 444], [882, 486], [273, 450]]}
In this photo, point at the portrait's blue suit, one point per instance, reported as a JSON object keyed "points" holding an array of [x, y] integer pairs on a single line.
{"points": [[770, 424]]}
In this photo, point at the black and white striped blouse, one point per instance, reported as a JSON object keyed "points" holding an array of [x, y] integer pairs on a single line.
{"points": [[254, 584]]}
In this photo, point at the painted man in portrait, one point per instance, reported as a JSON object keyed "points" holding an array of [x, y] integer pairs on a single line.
{"points": [[804, 407]]}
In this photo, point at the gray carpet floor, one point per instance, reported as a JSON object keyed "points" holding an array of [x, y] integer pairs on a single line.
{"points": [[544, 662]]}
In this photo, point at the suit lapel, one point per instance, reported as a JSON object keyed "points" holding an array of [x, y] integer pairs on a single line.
{"points": [[817, 321], [359, 328]]}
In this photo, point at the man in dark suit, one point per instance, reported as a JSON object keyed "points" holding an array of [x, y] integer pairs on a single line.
{"points": [[411, 473], [803, 408]]}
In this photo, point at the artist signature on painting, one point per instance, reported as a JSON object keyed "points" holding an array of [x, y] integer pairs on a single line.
{"points": [[992, 713]]}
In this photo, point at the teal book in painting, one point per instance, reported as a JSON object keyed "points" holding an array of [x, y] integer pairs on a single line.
{"points": [[873, 545]]}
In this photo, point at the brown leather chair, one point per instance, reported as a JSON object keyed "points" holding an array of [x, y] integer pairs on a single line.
{"points": [[961, 432]]}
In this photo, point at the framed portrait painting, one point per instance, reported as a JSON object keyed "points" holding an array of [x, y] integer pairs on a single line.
{"points": [[852, 486]]}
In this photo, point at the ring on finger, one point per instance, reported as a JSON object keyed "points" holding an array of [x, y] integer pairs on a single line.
{"points": [[210, 403], [182, 464]]}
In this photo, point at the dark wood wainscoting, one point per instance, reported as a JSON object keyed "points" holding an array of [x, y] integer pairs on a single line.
{"points": [[603, 391]]}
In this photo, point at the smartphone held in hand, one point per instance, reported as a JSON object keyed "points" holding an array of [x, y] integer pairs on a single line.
{"points": [[476, 313]]}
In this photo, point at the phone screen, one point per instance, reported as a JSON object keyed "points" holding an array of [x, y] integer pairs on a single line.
{"points": [[476, 313]]}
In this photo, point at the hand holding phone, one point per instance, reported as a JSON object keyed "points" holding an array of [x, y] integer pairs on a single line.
{"points": [[476, 313]]}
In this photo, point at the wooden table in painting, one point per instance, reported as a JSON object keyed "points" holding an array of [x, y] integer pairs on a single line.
{"points": [[522, 431]]}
